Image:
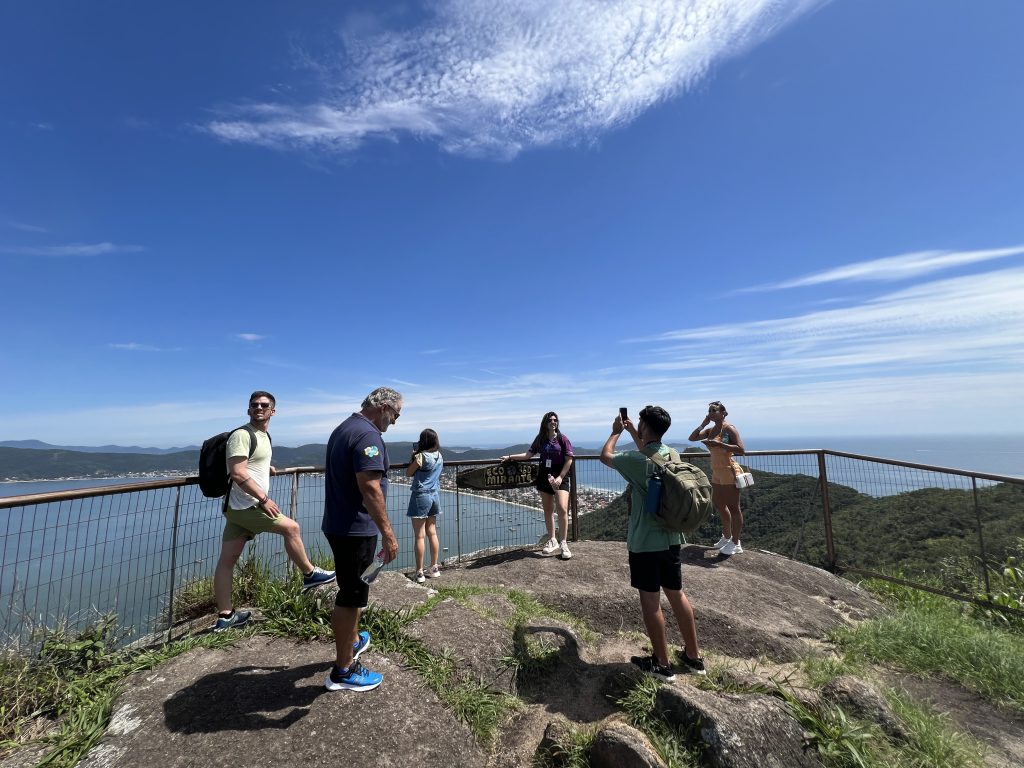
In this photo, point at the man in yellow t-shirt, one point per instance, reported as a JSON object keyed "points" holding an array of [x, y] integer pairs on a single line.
{"points": [[250, 510]]}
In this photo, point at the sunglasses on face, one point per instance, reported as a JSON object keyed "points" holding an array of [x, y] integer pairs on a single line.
{"points": [[258, 406]]}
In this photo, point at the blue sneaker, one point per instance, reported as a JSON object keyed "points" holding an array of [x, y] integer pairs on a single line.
{"points": [[236, 619], [361, 644], [356, 678], [317, 578]]}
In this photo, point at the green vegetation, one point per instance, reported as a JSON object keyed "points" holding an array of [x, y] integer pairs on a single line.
{"points": [[670, 743], [931, 635], [64, 696]]}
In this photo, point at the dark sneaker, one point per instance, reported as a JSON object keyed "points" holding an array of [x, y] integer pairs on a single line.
{"points": [[355, 678], [361, 644], [691, 666], [317, 578], [236, 619], [651, 665]]}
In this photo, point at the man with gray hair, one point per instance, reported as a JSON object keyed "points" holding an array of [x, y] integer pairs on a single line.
{"points": [[355, 512]]}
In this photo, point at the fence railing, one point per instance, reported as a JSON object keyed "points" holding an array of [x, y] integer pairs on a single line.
{"points": [[133, 549]]}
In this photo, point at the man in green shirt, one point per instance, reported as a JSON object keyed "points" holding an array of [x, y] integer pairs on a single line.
{"points": [[654, 553]]}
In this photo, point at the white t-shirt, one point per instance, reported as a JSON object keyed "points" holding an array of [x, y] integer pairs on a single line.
{"points": [[259, 466]]}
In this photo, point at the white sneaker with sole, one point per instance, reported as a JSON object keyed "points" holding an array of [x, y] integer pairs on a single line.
{"points": [[720, 543], [550, 547], [566, 554], [420, 578], [731, 549]]}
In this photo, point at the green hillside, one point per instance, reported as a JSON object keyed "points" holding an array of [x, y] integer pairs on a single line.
{"points": [[912, 531]]}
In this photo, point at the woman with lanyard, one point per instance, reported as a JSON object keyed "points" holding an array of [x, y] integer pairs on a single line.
{"points": [[723, 440], [553, 481]]}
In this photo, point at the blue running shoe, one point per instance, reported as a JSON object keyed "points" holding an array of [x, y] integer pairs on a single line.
{"points": [[317, 578], [236, 619], [356, 678], [361, 644]]}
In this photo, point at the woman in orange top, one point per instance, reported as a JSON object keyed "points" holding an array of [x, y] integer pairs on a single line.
{"points": [[723, 441]]}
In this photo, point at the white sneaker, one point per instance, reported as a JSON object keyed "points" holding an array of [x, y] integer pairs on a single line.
{"points": [[434, 572], [420, 578], [721, 543], [731, 549], [550, 547], [737, 548], [566, 554]]}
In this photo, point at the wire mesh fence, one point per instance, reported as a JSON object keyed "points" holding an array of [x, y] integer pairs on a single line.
{"points": [[133, 550]]}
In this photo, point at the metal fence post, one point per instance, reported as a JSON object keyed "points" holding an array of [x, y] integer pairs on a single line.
{"points": [[827, 510], [981, 538], [458, 525], [293, 507], [574, 507], [174, 561]]}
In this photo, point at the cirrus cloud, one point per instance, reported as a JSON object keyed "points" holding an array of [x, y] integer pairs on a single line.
{"points": [[495, 77]]}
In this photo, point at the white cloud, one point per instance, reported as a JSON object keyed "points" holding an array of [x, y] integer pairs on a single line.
{"points": [[134, 346], [493, 77], [22, 226], [916, 360], [892, 268], [250, 336], [74, 249]]}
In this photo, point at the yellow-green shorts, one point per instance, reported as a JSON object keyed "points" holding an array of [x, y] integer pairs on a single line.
{"points": [[246, 523]]}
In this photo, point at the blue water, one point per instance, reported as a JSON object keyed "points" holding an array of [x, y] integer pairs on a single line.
{"points": [[75, 558]]}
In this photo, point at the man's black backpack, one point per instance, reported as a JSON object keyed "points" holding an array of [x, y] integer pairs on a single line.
{"points": [[214, 480]]}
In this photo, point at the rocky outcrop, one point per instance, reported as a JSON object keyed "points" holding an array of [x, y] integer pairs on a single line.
{"points": [[262, 702]]}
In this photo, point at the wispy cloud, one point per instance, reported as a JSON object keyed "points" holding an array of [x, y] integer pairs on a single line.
{"points": [[134, 346], [893, 268], [22, 226], [491, 77], [74, 249], [250, 336], [959, 323]]}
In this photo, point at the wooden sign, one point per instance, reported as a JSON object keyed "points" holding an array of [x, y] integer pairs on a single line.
{"points": [[511, 475]]}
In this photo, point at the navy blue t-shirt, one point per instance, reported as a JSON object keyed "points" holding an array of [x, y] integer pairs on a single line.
{"points": [[356, 445]]}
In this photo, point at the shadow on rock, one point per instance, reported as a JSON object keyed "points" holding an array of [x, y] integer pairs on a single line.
{"points": [[499, 558], [553, 673], [244, 699]]}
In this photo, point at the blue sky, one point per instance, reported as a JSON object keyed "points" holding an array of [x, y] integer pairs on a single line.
{"points": [[811, 211]]}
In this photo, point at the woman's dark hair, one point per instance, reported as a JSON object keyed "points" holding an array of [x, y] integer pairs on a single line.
{"points": [[717, 404], [428, 441], [542, 433]]}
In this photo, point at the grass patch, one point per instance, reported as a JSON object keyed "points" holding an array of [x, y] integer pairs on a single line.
{"points": [[930, 635], [572, 750], [64, 696], [669, 742], [483, 710]]}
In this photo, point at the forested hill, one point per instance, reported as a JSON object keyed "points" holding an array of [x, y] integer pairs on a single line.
{"points": [[54, 463], [930, 530]]}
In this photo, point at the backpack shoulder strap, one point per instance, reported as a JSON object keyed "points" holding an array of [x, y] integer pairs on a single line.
{"points": [[252, 437], [653, 455]]}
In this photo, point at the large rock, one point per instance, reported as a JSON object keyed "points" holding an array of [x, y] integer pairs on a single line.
{"points": [[737, 730], [263, 703], [619, 745]]}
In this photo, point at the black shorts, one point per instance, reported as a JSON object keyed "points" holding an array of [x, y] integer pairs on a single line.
{"points": [[545, 487], [352, 556], [654, 571]]}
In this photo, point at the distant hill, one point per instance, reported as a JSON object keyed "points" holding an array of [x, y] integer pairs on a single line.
{"points": [[40, 445], [53, 462]]}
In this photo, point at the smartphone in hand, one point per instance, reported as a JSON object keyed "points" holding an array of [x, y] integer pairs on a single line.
{"points": [[622, 414]]}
